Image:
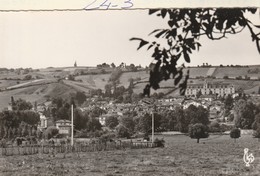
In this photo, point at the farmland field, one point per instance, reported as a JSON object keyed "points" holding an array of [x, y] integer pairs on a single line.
{"points": [[217, 155]]}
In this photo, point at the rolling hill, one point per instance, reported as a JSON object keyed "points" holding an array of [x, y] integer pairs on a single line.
{"points": [[52, 82]]}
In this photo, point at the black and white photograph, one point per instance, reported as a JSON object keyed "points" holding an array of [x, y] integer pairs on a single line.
{"points": [[109, 89]]}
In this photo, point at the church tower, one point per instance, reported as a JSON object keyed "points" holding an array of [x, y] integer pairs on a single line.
{"points": [[75, 64]]}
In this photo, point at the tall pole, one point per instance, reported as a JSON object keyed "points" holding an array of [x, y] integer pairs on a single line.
{"points": [[152, 127], [72, 127]]}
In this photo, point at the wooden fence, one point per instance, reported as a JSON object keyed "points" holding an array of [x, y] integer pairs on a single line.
{"points": [[78, 147]]}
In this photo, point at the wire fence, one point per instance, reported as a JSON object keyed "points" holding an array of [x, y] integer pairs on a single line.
{"points": [[11, 150]]}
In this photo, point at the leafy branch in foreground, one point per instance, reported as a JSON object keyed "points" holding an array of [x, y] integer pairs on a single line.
{"points": [[186, 26]]}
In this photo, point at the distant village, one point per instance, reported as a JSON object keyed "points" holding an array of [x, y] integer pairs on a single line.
{"points": [[208, 96], [117, 104]]}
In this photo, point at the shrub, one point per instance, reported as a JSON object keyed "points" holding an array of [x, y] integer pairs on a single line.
{"points": [[50, 132], [122, 131], [82, 134], [256, 134], [159, 142], [3, 143], [107, 136], [239, 77], [38, 77], [111, 122], [27, 77], [198, 131], [225, 77], [235, 133], [71, 78], [224, 127], [214, 126]]}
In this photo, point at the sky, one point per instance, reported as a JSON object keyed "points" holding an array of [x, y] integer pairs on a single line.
{"points": [[58, 39]]}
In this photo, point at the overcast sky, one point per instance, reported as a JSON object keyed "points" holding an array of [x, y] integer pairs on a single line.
{"points": [[57, 39]]}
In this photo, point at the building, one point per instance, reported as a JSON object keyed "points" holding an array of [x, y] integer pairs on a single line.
{"points": [[194, 103], [43, 122], [219, 89], [64, 127]]}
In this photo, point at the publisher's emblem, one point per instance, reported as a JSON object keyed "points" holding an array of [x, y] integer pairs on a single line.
{"points": [[248, 158]]}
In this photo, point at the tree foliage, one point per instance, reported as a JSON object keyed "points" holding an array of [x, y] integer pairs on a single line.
{"points": [[21, 121], [111, 122], [93, 124], [256, 123], [214, 126], [20, 104], [256, 133], [244, 114], [80, 119], [123, 131], [235, 133], [50, 132], [197, 115], [256, 127], [198, 131], [126, 126], [185, 28], [144, 124], [228, 102], [80, 98]]}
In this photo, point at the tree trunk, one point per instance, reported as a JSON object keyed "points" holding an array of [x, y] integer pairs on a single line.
{"points": [[198, 140]]}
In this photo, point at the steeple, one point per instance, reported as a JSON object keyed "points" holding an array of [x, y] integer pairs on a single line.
{"points": [[75, 64]]}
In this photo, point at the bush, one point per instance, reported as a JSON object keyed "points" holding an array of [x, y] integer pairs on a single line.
{"points": [[107, 136], [71, 78], [122, 131], [111, 122], [256, 133], [214, 127], [27, 77], [239, 77], [3, 143], [224, 127], [159, 142], [198, 131], [235, 133], [38, 77], [50, 132]]}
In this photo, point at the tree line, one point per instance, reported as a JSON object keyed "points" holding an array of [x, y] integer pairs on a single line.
{"points": [[20, 121]]}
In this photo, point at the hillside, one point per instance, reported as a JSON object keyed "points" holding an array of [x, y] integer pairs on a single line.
{"points": [[51, 82], [38, 93], [232, 72]]}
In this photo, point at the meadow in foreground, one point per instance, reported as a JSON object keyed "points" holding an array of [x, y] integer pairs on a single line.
{"points": [[216, 155]]}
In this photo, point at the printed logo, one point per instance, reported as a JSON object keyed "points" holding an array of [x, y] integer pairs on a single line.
{"points": [[248, 158]]}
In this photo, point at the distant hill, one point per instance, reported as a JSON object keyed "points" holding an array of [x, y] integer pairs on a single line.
{"points": [[52, 82], [39, 93], [232, 72]]}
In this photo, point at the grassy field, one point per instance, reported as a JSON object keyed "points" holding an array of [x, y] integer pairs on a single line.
{"points": [[217, 155]]}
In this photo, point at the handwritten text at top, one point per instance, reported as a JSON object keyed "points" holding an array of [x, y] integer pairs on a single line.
{"points": [[109, 4]]}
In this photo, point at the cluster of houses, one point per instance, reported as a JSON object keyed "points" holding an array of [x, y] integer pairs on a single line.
{"points": [[206, 100], [64, 126]]}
